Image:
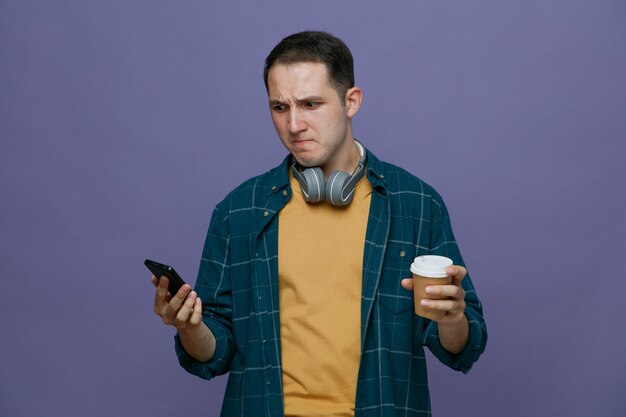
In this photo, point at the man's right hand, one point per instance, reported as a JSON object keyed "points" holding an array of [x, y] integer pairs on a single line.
{"points": [[183, 310]]}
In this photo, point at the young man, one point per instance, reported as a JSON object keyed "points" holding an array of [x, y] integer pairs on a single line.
{"points": [[302, 291]]}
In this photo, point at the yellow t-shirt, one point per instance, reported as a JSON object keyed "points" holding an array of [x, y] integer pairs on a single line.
{"points": [[320, 262]]}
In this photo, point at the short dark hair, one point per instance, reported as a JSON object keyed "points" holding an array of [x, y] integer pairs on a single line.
{"points": [[315, 46]]}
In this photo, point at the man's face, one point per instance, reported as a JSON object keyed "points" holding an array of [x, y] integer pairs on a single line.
{"points": [[309, 117]]}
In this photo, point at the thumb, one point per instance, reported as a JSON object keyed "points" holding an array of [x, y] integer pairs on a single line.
{"points": [[407, 284]]}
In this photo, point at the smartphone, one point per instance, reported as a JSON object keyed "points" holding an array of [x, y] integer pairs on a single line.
{"points": [[159, 269]]}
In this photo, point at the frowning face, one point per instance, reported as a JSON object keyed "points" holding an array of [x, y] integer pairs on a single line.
{"points": [[311, 120]]}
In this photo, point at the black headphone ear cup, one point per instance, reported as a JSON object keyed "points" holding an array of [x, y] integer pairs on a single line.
{"points": [[314, 184], [335, 193]]}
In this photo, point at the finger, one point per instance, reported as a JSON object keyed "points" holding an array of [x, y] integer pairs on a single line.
{"points": [[160, 296], [196, 315], [161, 291], [177, 301], [443, 305], [407, 284], [457, 272], [190, 301], [445, 291], [187, 308]]}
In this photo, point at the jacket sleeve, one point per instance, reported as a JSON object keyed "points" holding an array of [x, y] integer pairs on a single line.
{"points": [[214, 289], [444, 244]]}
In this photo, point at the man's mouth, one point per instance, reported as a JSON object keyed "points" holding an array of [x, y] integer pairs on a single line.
{"points": [[301, 141]]}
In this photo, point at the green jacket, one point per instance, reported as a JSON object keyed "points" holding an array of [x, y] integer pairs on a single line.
{"points": [[238, 284]]}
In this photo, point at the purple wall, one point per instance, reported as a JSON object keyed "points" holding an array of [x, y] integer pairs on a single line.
{"points": [[122, 123]]}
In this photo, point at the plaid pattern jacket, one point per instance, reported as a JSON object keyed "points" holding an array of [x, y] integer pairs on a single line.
{"points": [[238, 284]]}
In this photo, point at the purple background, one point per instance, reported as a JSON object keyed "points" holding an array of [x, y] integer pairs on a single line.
{"points": [[122, 123]]}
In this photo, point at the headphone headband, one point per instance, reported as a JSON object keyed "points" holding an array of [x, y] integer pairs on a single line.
{"points": [[338, 190]]}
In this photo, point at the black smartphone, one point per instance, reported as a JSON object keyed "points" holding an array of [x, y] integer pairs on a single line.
{"points": [[159, 269]]}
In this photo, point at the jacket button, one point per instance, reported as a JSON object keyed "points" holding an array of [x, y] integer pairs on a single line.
{"points": [[266, 213]]}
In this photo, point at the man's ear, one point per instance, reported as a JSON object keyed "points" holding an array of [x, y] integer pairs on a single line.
{"points": [[353, 99]]}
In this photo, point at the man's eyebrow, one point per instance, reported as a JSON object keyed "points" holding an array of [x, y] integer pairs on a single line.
{"points": [[276, 101], [310, 98]]}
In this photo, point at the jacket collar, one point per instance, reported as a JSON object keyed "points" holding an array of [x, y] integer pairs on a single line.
{"points": [[376, 173]]}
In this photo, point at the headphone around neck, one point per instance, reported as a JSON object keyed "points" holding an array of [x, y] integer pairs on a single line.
{"points": [[338, 190]]}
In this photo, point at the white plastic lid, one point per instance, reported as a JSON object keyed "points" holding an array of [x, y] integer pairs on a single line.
{"points": [[431, 266]]}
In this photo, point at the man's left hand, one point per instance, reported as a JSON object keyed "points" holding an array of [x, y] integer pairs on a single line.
{"points": [[453, 326]]}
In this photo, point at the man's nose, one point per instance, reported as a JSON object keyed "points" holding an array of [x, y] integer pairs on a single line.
{"points": [[296, 122]]}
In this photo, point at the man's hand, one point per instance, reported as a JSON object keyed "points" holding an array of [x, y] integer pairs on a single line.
{"points": [[453, 326], [183, 310]]}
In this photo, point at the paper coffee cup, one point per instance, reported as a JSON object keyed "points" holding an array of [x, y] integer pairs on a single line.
{"points": [[429, 270]]}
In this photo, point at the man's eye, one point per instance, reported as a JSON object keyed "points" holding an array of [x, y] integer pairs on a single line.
{"points": [[311, 104], [280, 108]]}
